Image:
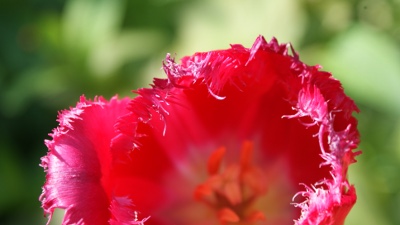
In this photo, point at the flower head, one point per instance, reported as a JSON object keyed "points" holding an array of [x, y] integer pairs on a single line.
{"points": [[236, 136]]}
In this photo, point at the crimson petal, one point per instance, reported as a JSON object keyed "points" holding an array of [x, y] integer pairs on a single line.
{"points": [[120, 161], [79, 162], [293, 112]]}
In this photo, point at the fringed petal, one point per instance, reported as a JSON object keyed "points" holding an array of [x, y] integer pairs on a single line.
{"points": [[296, 116], [78, 163], [300, 113]]}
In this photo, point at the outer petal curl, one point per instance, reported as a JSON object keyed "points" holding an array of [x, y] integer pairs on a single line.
{"points": [[80, 177]]}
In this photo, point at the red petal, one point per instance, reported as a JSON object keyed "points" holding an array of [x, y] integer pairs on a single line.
{"points": [[293, 112], [78, 163]]}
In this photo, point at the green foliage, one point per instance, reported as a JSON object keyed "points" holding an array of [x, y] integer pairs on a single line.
{"points": [[53, 51]]}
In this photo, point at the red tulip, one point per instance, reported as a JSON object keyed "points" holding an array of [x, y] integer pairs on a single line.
{"points": [[236, 136]]}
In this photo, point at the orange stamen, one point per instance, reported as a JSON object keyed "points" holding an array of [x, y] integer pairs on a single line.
{"points": [[232, 190], [214, 162], [256, 216], [226, 215], [246, 154]]}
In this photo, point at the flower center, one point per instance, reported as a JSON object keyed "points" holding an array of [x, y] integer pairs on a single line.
{"points": [[232, 190]]}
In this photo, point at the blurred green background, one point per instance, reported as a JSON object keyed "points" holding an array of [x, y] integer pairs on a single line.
{"points": [[53, 51]]}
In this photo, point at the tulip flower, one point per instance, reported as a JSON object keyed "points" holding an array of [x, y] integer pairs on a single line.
{"points": [[235, 136]]}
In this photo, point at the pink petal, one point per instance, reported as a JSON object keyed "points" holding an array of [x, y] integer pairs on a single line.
{"points": [[78, 163]]}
